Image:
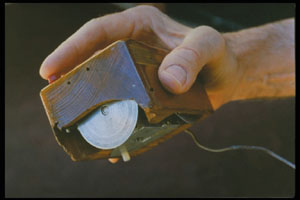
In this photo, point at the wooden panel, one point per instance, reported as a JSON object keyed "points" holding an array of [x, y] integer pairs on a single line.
{"points": [[110, 75]]}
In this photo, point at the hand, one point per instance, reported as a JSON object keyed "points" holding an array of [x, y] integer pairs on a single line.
{"points": [[192, 50]]}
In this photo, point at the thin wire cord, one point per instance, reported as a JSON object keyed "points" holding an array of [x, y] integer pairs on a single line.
{"points": [[237, 147]]}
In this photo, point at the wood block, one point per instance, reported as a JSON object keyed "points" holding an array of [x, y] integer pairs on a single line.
{"points": [[124, 70]]}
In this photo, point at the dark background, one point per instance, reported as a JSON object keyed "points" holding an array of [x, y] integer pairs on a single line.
{"points": [[36, 166]]}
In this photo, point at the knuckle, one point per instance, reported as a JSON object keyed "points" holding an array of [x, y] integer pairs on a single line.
{"points": [[213, 38], [147, 9], [96, 20], [142, 11], [206, 29], [209, 31], [141, 16]]}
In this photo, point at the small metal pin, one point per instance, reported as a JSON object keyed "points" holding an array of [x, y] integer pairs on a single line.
{"points": [[124, 153]]}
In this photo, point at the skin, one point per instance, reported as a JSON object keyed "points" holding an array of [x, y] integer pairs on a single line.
{"points": [[257, 62]]}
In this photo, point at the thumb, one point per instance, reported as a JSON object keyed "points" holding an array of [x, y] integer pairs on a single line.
{"points": [[179, 69]]}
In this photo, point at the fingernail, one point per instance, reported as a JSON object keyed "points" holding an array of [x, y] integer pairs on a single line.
{"points": [[177, 73], [52, 78]]}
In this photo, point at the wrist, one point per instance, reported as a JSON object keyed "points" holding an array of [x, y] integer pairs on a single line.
{"points": [[266, 60]]}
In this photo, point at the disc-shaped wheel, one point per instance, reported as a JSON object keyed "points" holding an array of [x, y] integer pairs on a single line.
{"points": [[110, 125]]}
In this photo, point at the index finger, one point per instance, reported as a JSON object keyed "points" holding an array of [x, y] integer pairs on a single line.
{"points": [[94, 35]]}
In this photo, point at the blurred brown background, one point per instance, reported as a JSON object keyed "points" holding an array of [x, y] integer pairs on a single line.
{"points": [[36, 166]]}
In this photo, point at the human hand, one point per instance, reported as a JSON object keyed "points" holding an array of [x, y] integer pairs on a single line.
{"points": [[192, 50], [201, 49]]}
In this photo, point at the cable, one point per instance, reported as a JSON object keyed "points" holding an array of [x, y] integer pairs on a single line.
{"points": [[237, 147]]}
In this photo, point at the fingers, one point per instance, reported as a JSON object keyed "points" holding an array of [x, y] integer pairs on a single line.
{"points": [[94, 35], [181, 66], [113, 160]]}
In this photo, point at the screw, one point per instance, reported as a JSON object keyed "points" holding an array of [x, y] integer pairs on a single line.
{"points": [[104, 110]]}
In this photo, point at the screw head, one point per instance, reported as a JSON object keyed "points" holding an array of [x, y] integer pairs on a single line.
{"points": [[104, 110]]}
